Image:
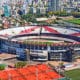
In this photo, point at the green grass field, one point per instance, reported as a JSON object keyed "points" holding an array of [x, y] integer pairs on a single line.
{"points": [[74, 21], [73, 74]]}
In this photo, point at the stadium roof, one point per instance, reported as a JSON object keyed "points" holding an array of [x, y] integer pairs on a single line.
{"points": [[48, 32]]}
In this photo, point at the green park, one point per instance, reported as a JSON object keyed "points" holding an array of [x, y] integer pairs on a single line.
{"points": [[74, 21]]}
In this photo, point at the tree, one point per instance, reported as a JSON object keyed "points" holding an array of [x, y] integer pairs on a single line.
{"points": [[76, 14], [20, 64], [58, 13], [2, 66], [29, 18], [62, 68], [50, 13]]}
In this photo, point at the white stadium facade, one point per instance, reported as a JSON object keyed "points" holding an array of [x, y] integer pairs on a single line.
{"points": [[41, 42]]}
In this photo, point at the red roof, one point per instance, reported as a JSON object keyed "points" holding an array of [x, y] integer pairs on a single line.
{"points": [[32, 72]]}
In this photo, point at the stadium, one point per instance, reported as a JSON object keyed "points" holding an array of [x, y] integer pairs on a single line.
{"points": [[41, 42]]}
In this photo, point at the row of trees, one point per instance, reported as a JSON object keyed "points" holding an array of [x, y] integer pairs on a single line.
{"points": [[58, 13], [76, 14], [64, 13], [30, 17], [20, 64]]}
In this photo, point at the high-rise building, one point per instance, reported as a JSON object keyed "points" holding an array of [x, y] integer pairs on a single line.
{"points": [[38, 6], [54, 5]]}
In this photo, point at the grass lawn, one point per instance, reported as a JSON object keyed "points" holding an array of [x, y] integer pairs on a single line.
{"points": [[73, 74], [39, 42], [74, 21]]}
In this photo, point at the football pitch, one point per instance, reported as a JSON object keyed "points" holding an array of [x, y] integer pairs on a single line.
{"points": [[74, 21], [73, 74]]}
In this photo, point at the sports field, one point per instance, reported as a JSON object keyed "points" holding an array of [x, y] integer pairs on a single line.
{"points": [[74, 21], [73, 74]]}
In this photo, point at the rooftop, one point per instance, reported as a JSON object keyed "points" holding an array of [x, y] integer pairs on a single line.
{"points": [[31, 72]]}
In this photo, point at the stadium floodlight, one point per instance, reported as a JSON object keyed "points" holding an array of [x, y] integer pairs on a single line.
{"points": [[60, 65], [28, 55]]}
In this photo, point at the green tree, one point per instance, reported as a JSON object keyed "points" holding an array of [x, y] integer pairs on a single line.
{"points": [[20, 64], [60, 13], [2, 66], [76, 14], [50, 13], [29, 18]]}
